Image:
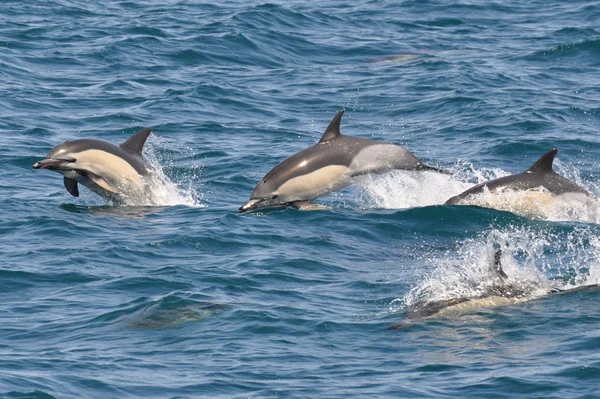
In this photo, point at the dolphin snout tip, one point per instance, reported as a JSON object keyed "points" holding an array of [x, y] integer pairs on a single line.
{"points": [[44, 163], [52, 163], [245, 208], [248, 206]]}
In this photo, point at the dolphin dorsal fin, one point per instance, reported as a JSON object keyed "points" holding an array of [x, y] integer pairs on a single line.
{"points": [[135, 144], [498, 264], [333, 130], [544, 164]]}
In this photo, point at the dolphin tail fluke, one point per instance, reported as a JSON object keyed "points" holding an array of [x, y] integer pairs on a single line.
{"points": [[432, 169]]}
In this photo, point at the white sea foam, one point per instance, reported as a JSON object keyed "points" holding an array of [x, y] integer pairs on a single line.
{"points": [[162, 190], [406, 189], [403, 189]]}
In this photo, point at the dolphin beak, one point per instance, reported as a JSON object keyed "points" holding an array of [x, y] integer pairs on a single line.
{"points": [[52, 163], [250, 205]]}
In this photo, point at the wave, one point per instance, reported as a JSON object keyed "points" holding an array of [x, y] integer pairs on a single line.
{"points": [[584, 48]]}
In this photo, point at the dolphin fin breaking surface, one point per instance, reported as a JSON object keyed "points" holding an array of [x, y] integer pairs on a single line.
{"points": [[501, 293], [544, 164], [498, 264]]}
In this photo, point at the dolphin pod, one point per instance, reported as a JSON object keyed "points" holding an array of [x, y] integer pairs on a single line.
{"points": [[119, 171], [115, 172]]}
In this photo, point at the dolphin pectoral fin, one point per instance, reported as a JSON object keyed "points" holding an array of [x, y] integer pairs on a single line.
{"points": [[103, 183], [71, 186], [135, 144]]}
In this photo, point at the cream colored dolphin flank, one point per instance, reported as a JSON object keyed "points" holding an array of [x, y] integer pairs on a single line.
{"points": [[109, 170], [329, 166]]}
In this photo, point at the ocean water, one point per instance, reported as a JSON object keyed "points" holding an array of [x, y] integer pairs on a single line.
{"points": [[180, 296]]}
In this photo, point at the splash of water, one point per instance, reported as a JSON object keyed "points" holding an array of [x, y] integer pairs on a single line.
{"points": [[535, 262], [402, 189], [160, 189], [407, 189]]}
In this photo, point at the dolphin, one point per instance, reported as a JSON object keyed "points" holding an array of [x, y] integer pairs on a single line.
{"points": [[500, 293], [111, 171], [540, 175], [328, 166]]}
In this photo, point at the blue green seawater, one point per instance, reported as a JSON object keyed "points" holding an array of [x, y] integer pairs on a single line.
{"points": [[185, 298]]}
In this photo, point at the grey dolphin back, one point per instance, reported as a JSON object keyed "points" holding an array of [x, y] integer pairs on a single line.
{"points": [[130, 150], [353, 145]]}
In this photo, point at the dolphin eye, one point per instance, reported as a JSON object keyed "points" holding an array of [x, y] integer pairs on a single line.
{"points": [[274, 196], [264, 181]]}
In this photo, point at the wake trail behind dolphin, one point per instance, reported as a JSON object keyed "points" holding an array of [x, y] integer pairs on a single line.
{"points": [[165, 190], [406, 189]]}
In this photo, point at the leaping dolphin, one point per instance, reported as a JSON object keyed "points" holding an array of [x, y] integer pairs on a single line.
{"points": [[540, 175], [327, 167], [109, 170]]}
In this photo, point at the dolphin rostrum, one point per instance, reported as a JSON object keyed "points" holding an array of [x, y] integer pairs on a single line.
{"points": [[540, 175], [109, 170], [328, 166]]}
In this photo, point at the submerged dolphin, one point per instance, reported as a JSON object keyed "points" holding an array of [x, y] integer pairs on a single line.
{"points": [[109, 170], [539, 176], [500, 293], [327, 167]]}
